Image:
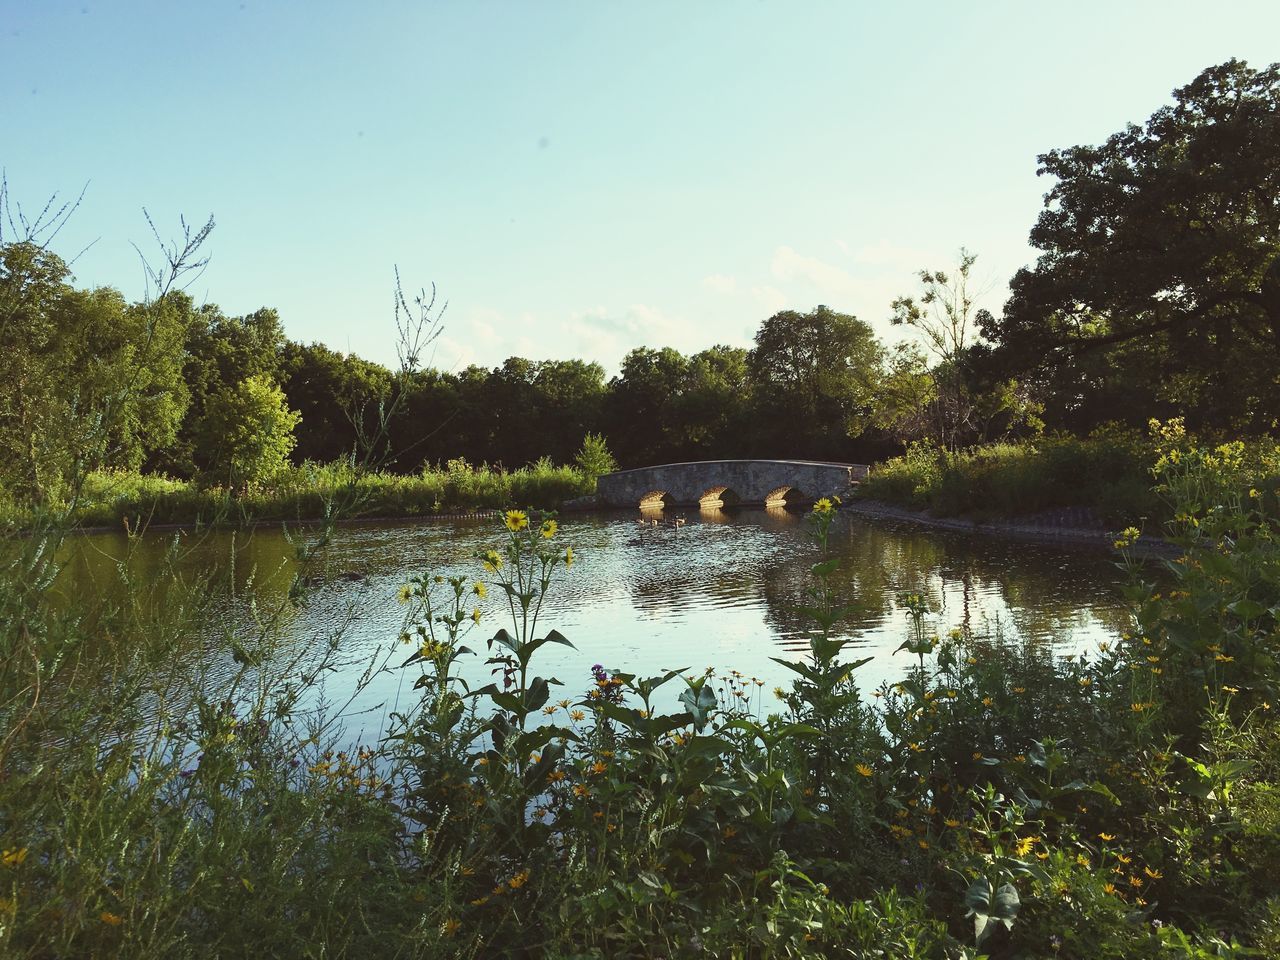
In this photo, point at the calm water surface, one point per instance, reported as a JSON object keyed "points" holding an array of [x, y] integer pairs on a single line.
{"points": [[719, 592]]}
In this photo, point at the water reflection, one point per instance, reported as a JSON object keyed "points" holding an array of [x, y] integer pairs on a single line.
{"points": [[721, 590]]}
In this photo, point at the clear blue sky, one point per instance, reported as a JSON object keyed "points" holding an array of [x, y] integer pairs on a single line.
{"points": [[578, 178]]}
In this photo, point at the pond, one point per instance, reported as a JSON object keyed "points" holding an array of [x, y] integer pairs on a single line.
{"points": [[720, 591]]}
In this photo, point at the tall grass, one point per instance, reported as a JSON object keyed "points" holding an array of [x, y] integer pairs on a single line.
{"points": [[310, 491], [1105, 476]]}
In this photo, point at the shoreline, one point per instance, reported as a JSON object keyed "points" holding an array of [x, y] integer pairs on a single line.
{"points": [[1043, 532]]}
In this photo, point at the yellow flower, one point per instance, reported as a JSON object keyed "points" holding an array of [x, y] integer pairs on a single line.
{"points": [[823, 506], [492, 561], [404, 593], [729, 833], [1153, 874], [987, 701], [1106, 837], [516, 520], [580, 791], [1253, 492], [111, 919], [977, 755], [1109, 888], [1231, 689], [863, 769], [568, 556], [924, 844], [549, 528], [1019, 689], [951, 822], [1223, 658], [577, 715], [1025, 845], [479, 589], [519, 880], [1127, 538], [555, 776], [599, 767], [450, 927], [475, 615], [14, 857]]}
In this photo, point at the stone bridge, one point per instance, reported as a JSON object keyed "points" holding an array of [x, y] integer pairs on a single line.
{"points": [[717, 483]]}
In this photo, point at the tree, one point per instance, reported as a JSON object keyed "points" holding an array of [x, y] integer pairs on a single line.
{"points": [[594, 458], [248, 431], [642, 409], [1165, 237], [86, 379], [814, 378]]}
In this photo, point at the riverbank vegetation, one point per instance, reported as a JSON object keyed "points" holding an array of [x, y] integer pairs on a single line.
{"points": [[998, 800]]}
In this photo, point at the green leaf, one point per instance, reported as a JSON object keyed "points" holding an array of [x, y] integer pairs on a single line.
{"points": [[699, 700]]}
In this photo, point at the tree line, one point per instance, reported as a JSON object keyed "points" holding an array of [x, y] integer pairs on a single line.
{"points": [[1156, 293]]}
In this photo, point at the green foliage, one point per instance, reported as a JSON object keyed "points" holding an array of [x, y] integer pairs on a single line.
{"points": [[821, 368], [84, 376], [1104, 478], [1160, 268], [995, 801], [594, 459], [248, 431]]}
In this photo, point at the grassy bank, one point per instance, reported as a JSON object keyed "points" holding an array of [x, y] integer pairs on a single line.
{"points": [[313, 492], [1103, 480], [997, 801]]}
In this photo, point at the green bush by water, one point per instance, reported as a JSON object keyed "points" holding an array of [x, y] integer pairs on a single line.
{"points": [[314, 492]]}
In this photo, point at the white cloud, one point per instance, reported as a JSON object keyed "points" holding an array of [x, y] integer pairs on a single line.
{"points": [[834, 284], [720, 283], [770, 299]]}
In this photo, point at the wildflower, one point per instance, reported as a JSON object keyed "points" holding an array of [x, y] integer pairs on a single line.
{"points": [[516, 520], [780, 693], [823, 506], [1106, 837], [915, 747], [519, 880], [1109, 888], [924, 844], [549, 528], [479, 901], [729, 833], [1025, 845], [404, 593], [549, 710], [1128, 536], [555, 776], [1019, 689], [14, 857], [450, 927], [863, 769], [1135, 882], [579, 790], [1223, 658], [578, 714], [1253, 493], [977, 755], [483, 761], [987, 701], [492, 561], [110, 919], [479, 589], [1231, 689], [475, 615], [611, 827], [568, 556], [599, 767], [951, 822], [1124, 859]]}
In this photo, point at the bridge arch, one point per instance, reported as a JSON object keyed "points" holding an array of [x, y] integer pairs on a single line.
{"points": [[719, 495], [656, 500], [788, 495]]}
